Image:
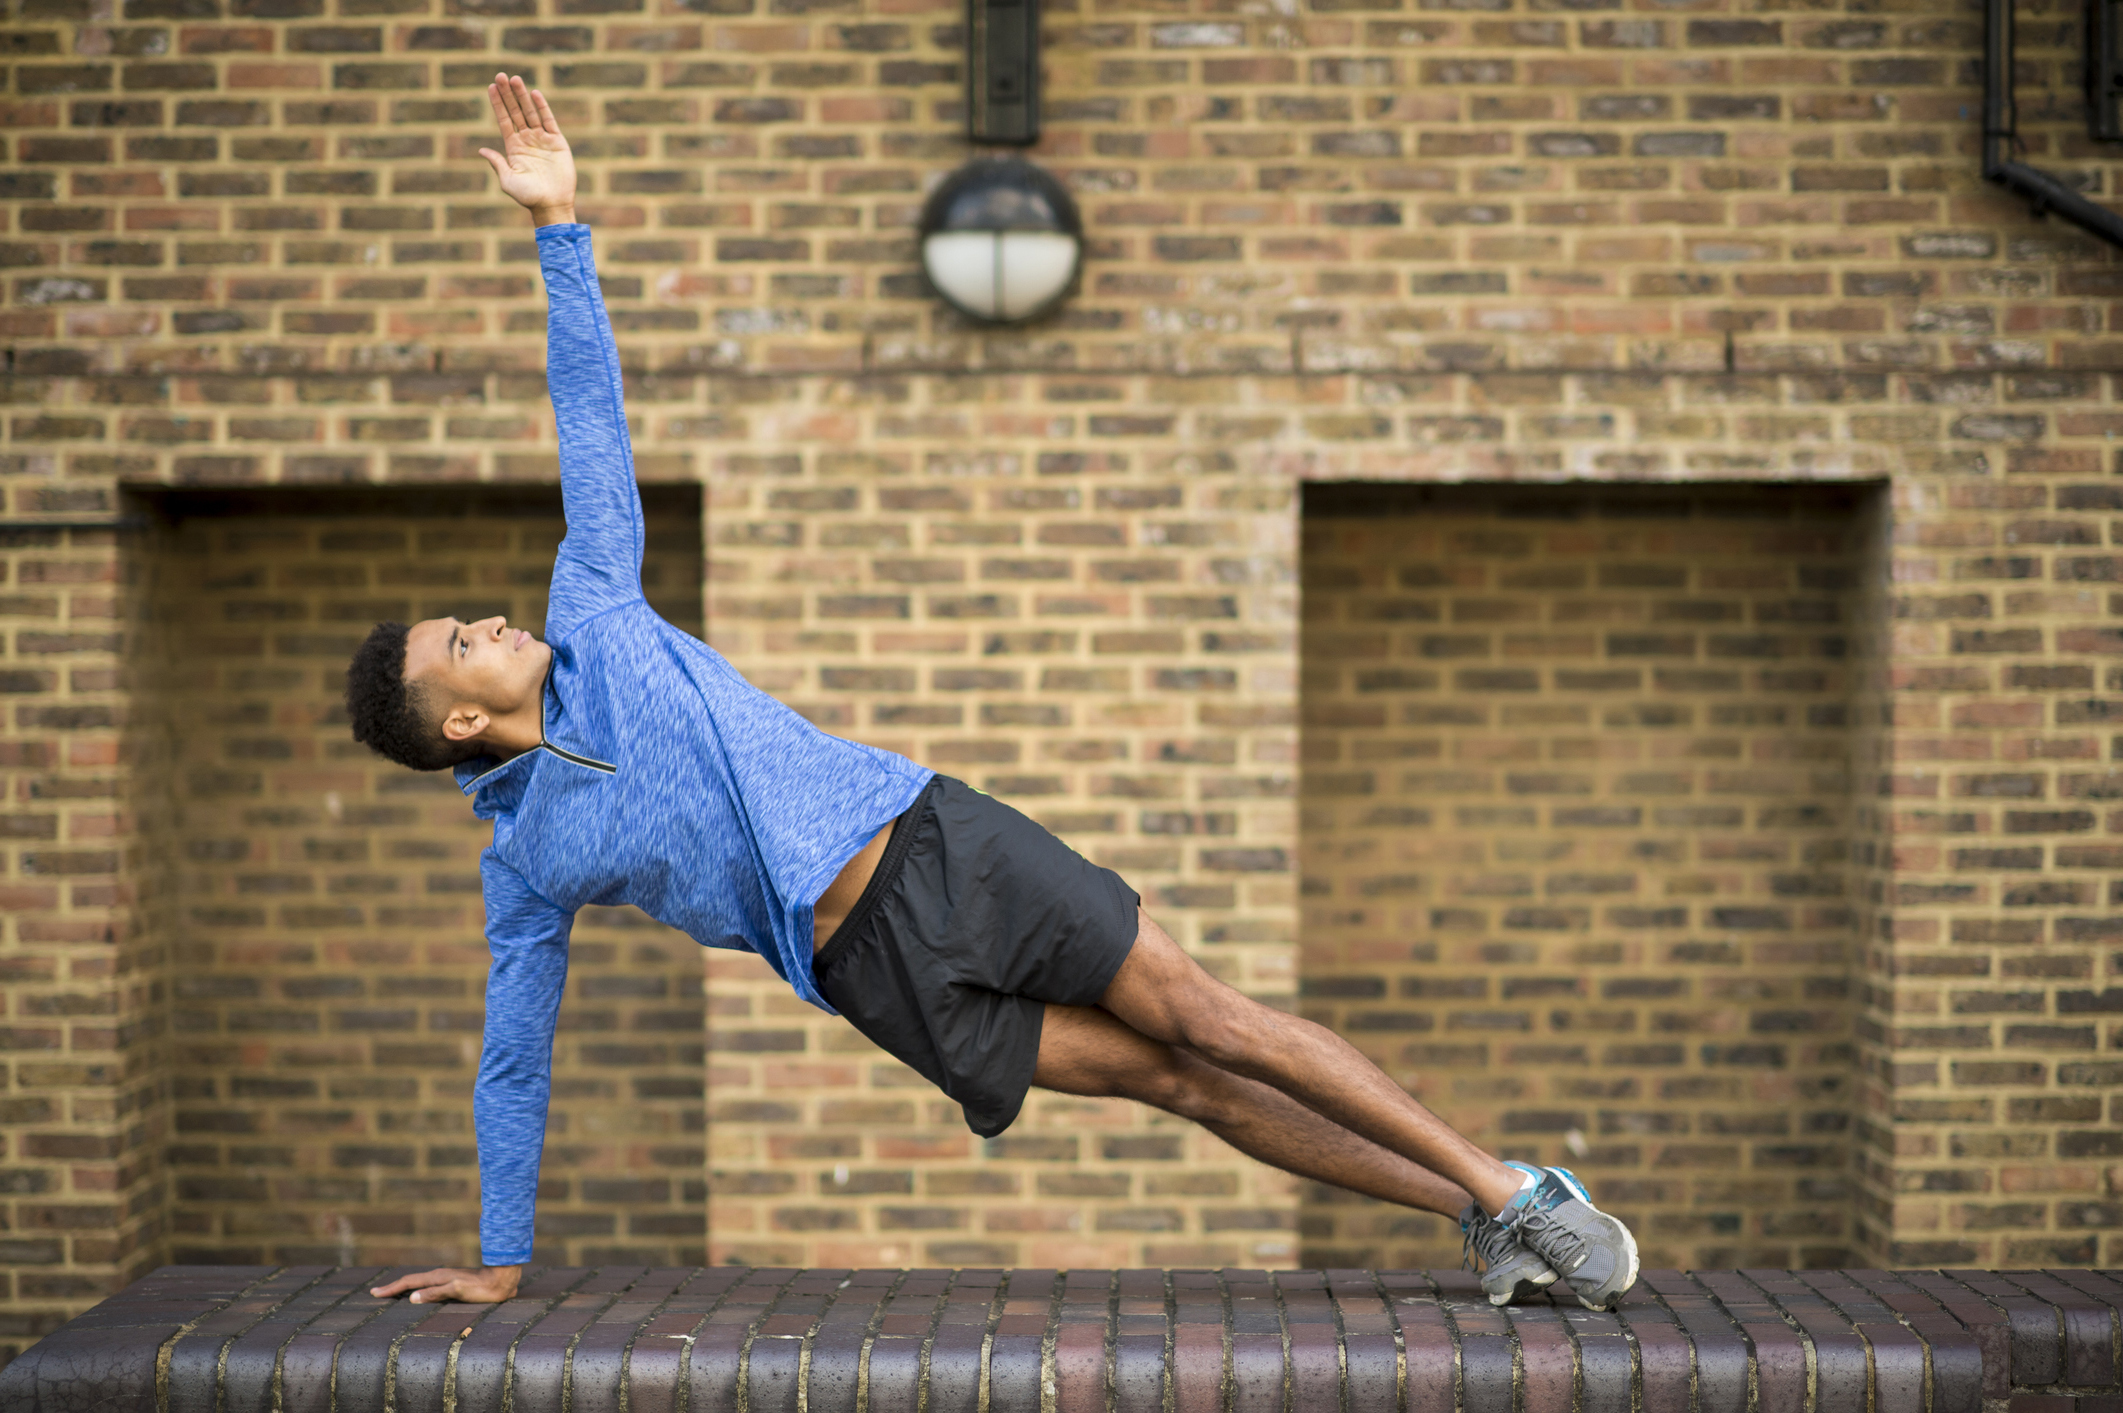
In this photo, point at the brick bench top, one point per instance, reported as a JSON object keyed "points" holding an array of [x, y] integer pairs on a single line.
{"points": [[248, 1339]]}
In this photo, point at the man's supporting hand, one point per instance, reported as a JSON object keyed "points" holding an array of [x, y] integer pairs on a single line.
{"points": [[535, 166], [485, 1286]]}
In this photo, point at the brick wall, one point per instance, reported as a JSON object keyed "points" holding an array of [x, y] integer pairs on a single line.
{"points": [[246, 242], [83, 1107], [1101, 635], [1576, 825], [327, 963], [1994, 975]]}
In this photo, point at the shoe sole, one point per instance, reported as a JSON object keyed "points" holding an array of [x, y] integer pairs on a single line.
{"points": [[1524, 1290]]}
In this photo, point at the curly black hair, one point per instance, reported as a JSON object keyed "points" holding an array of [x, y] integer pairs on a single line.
{"points": [[392, 716]]}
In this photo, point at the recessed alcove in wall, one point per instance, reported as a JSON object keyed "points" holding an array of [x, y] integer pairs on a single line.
{"points": [[320, 906], [1577, 843]]}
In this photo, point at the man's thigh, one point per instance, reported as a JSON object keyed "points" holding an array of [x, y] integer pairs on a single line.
{"points": [[1164, 994]]}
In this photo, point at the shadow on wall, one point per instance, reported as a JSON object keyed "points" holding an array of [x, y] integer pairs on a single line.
{"points": [[1578, 839], [319, 906]]}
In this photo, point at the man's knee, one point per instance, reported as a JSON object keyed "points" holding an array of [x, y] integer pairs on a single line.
{"points": [[1227, 1028], [1180, 1085]]}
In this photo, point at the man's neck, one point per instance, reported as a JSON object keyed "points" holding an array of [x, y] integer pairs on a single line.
{"points": [[523, 729]]}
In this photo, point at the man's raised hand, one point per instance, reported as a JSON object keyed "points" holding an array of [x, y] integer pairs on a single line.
{"points": [[487, 1285], [534, 165]]}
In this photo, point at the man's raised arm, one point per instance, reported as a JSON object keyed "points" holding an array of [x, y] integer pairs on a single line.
{"points": [[599, 566]]}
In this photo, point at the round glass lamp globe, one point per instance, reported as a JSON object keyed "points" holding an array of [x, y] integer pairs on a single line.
{"points": [[1001, 240], [1000, 276]]}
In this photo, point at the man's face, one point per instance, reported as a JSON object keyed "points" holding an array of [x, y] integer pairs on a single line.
{"points": [[475, 671]]}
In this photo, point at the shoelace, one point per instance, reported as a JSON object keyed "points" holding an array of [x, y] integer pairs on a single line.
{"points": [[1560, 1247], [1486, 1237]]}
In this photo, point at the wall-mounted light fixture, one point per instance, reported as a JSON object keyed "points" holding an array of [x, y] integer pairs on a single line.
{"points": [[1001, 240]]}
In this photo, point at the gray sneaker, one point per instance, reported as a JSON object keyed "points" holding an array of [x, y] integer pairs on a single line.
{"points": [[1592, 1251], [1509, 1271]]}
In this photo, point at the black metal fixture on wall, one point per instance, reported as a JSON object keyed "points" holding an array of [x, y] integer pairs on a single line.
{"points": [[2104, 69], [2001, 123], [1002, 72]]}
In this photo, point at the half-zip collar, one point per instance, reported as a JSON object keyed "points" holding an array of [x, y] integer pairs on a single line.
{"points": [[473, 785], [570, 756]]}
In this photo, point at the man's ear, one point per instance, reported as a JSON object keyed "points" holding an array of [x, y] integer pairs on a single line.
{"points": [[463, 722]]}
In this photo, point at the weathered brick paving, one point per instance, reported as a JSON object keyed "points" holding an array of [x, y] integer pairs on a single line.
{"points": [[306, 1339]]}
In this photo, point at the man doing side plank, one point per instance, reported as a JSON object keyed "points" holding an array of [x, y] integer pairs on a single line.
{"points": [[623, 761]]}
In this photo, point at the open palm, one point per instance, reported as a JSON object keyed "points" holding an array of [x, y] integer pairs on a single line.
{"points": [[534, 165]]}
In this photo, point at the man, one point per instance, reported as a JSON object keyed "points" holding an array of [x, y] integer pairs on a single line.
{"points": [[623, 761]]}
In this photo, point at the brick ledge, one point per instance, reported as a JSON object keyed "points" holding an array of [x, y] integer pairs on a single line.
{"points": [[247, 1339]]}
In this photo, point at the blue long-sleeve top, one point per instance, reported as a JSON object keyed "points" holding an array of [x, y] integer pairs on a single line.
{"points": [[663, 779]]}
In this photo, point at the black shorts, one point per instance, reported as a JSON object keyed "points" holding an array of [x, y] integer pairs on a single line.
{"points": [[975, 920]]}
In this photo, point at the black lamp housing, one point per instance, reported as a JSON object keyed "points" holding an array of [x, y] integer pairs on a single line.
{"points": [[1002, 72], [1001, 194]]}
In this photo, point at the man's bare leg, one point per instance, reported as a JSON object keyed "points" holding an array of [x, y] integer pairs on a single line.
{"points": [[1083, 1050], [1164, 994]]}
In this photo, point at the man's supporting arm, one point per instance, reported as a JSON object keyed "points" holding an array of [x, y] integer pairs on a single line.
{"points": [[528, 938]]}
